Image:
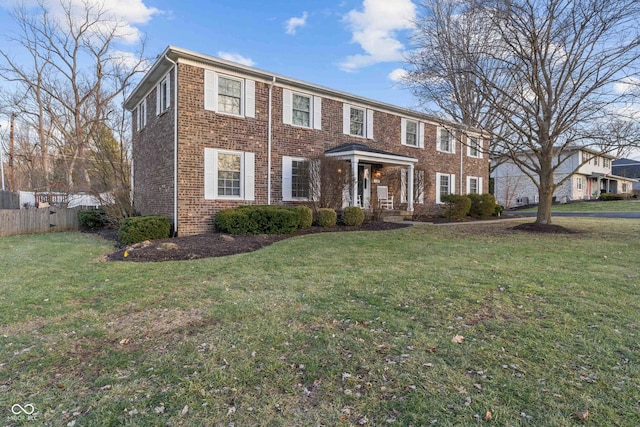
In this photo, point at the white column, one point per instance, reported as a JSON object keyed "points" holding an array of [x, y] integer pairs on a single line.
{"points": [[410, 189], [354, 181]]}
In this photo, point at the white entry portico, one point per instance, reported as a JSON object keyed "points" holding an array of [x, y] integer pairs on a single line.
{"points": [[362, 155]]}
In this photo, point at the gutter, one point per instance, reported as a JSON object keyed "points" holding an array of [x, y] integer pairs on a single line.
{"points": [[269, 139], [175, 145]]}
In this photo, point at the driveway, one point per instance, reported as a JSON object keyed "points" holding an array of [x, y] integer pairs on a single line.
{"points": [[580, 214]]}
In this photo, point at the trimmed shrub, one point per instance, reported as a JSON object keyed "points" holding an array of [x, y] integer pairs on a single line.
{"points": [[93, 218], [305, 216], [457, 206], [352, 216], [482, 205], [326, 217], [140, 228], [605, 197], [257, 219], [498, 210]]}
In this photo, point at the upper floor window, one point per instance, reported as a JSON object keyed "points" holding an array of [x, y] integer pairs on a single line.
{"points": [[358, 121], [227, 94], [163, 96], [142, 114], [301, 109], [595, 161], [474, 148], [412, 133], [606, 163], [445, 141]]}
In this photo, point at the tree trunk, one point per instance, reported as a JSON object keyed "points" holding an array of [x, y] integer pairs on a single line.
{"points": [[545, 191]]}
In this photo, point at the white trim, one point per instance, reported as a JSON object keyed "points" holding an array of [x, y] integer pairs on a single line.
{"points": [[317, 112], [287, 179], [419, 132], [249, 98], [287, 106], [452, 185], [141, 117], [247, 94], [470, 146], [247, 174], [479, 183], [452, 144], [369, 124]]}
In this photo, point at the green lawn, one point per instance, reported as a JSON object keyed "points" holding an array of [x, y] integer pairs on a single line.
{"points": [[329, 329], [610, 206]]}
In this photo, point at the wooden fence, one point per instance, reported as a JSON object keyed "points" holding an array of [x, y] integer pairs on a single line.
{"points": [[9, 200], [43, 220]]}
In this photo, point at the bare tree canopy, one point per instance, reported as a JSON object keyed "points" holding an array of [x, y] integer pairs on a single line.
{"points": [[68, 78], [550, 75]]}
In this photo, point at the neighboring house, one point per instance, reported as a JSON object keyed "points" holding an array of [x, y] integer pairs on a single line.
{"points": [[210, 134], [629, 169], [589, 175]]}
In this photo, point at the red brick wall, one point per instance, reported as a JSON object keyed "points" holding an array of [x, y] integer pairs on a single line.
{"points": [[153, 160], [199, 129]]}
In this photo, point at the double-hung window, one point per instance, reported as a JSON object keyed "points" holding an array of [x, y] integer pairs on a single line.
{"points": [[298, 179], [474, 185], [445, 184], [301, 109], [229, 95], [142, 114], [358, 121], [474, 148], [228, 174], [445, 141], [412, 133], [232, 95], [229, 171], [163, 96]]}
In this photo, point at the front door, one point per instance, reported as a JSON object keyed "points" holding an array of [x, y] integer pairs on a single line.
{"points": [[364, 186]]}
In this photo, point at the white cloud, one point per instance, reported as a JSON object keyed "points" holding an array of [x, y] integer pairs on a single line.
{"points": [[125, 14], [374, 29], [627, 85], [294, 23], [398, 75], [236, 57]]}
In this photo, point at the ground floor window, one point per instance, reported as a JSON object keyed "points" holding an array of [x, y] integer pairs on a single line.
{"points": [[445, 184], [228, 174]]}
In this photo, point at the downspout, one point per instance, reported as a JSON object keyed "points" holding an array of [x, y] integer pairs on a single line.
{"points": [[461, 168], [273, 82], [175, 145]]}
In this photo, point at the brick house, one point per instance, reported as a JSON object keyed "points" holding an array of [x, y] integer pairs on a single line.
{"points": [[210, 134]]}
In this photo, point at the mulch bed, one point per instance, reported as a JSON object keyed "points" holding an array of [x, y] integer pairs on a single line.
{"points": [[217, 244], [212, 245]]}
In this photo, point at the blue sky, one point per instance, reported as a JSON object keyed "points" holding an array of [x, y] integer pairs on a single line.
{"points": [[355, 46]]}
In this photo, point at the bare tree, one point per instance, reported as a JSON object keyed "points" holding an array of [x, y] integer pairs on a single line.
{"points": [[329, 182], [450, 43], [549, 79], [71, 89]]}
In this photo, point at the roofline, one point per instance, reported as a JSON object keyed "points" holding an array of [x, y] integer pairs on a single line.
{"points": [[162, 65]]}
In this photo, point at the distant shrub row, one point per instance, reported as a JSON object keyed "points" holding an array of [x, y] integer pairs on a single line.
{"points": [[459, 206], [616, 196]]}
